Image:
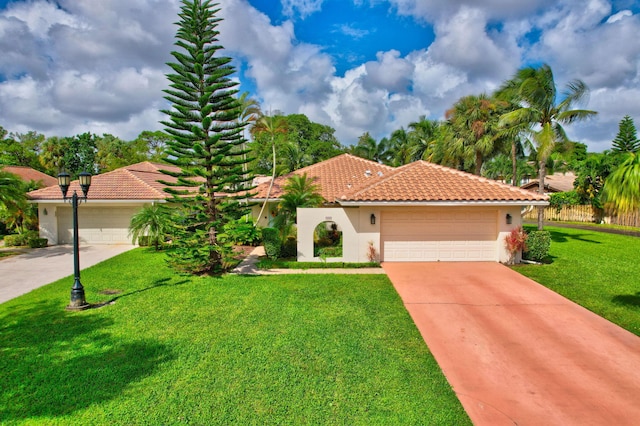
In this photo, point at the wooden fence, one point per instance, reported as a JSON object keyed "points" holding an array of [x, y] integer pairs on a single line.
{"points": [[584, 214]]}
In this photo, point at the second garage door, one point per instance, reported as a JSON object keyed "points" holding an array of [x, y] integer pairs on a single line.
{"points": [[97, 225], [439, 235]]}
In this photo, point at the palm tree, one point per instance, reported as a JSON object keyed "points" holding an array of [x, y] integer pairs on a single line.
{"points": [[423, 135], [400, 150], [534, 89], [300, 191], [271, 125], [11, 188], [621, 190], [474, 121], [250, 113], [151, 221], [368, 148]]}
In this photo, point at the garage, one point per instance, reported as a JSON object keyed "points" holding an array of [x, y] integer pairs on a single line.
{"points": [[438, 234], [96, 225]]}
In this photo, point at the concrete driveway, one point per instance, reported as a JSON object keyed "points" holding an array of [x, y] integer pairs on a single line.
{"points": [[517, 353], [37, 267]]}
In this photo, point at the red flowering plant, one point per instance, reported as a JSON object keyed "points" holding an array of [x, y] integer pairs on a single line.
{"points": [[516, 242]]}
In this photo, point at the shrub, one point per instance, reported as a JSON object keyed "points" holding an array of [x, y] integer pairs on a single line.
{"points": [[241, 232], [37, 242], [516, 242], [144, 241], [14, 240], [272, 243], [290, 247], [561, 199], [538, 244]]}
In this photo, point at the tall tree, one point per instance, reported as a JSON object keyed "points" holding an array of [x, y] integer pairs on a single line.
{"points": [[206, 141], [621, 190], [424, 135], [368, 148], [474, 122], [152, 144], [627, 138], [535, 90], [400, 148], [271, 126], [21, 149]]}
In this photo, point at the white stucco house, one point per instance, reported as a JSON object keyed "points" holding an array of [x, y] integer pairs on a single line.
{"points": [[113, 198], [417, 212]]}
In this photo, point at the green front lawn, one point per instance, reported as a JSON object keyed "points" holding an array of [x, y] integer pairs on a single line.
{"points": [[596, 270], [292, 349]]}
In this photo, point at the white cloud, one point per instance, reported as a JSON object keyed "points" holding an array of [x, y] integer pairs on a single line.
{"points": [[73, 66], [303, 7]]}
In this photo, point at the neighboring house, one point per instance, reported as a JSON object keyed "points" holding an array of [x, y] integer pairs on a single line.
{"points": [[417, 212], [113, 198], [557, 182], [28, 174]]}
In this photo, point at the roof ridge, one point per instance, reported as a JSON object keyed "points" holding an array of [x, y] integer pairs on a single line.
{"points": [[130, 172], [365, 186], [493, 182]]}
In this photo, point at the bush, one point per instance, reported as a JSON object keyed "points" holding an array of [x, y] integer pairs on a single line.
{"points": [[272, 243], [561, 199], [538, 244], [38, 242], [290, 247], [241, 232], [144, 241], [14, 240]]}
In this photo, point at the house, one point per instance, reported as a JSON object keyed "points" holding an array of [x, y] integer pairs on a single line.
{"points": [[417, 212], [113, 198], [556, 182], [28, 174]]}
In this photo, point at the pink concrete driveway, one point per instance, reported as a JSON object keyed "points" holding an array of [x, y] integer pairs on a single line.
{"points": [[517, 353]]}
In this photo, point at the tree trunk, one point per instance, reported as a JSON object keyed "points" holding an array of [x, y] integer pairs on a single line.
{"points": [[514, 164], [273, 178], [541, 191], [478, 163]]}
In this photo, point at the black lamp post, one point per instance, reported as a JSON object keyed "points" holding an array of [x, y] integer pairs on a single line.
{"points": [[78, 301]]}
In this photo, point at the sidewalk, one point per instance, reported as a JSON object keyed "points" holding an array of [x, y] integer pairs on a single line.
{"points": [[248, 267]]}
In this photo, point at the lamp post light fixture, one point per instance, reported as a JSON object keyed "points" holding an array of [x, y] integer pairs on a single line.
{"points": [[78, 301]]}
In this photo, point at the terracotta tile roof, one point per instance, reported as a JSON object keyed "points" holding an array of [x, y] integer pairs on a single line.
{"points": [[335, 176], [557, 182], [28, 174], [426, 182], [134, 182]]}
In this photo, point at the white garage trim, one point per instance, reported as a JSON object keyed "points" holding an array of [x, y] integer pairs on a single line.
{"points": [[96, 225], [435, 234]]}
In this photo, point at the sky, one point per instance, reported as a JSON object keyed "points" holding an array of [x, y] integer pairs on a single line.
{"points": [[72, 66]]}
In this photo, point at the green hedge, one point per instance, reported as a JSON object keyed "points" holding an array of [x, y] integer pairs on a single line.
{"points": [[37, 242], [30, 238], [538, 244], [272, 243]]}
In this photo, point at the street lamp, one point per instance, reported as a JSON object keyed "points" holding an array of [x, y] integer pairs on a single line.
{"points": [[78, 301]]}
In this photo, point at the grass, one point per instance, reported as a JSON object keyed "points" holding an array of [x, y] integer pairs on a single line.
{"points": [[200, 350], [597, 270], [266, 263]]}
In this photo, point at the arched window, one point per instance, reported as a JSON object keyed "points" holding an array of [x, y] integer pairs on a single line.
{"points": [[327, 240]]}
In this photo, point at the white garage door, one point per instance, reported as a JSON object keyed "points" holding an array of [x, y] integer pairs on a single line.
{"points": [[439, 235], [97, 225]]}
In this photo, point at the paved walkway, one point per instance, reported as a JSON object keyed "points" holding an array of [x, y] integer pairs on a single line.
{"points": [[517, 353], [36, 267], [248, 267]]}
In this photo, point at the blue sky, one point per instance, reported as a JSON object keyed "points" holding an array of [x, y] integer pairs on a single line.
{"points": [[374, 66]]}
